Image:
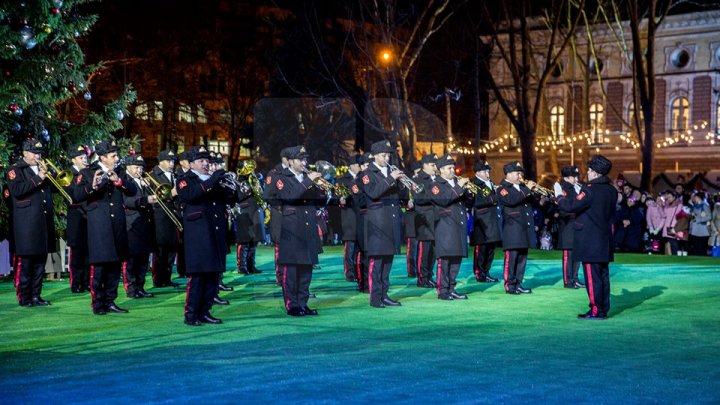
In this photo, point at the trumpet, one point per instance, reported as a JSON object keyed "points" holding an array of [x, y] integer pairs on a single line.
{"points": [[472, 188], [230, 182], [407, 181], [62, 178], [161, 191], [539, 190], [328, 170]]}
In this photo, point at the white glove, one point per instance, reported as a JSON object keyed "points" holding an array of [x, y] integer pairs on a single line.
{"points": [[558, 189]]}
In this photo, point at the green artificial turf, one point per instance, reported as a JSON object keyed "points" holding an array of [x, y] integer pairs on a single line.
{"points": [[660, 345]]}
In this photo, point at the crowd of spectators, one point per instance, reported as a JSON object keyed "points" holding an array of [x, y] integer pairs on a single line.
{"points": [[673, 222]]}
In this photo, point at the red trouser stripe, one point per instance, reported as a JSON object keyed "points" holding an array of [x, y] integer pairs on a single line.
{"points": [[408, 258], [345, 270], [18, 266], [124, 273], [476, 267], [439, 275], [370, 278], [187, 293], [506, 269], [92, 283], [70, 267], [565, 267], [285, 289], [419, 262], [591, 288]]}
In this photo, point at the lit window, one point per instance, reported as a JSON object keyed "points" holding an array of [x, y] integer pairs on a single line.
{"points": [[158, 115], [142, 112], [201, 118], [184, 113], [514, 139], [597, 122], [557, 122], [679, 115]]}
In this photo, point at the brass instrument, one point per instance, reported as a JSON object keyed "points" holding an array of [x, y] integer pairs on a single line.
{"points": [[162, 191], [157, 190], [328, 170], [230, 181], [62, 178], [407, 181], [248, 170], [472, 188], [539, 190]]}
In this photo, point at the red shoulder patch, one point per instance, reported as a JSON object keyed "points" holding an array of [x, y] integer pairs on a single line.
{"points": [[279, 185], [11, 174], [268, 180], [6, 193], [79, 179], [355, 189], [504, 192], [581, 196], [182, 184], [366, 179], [435, 190]]}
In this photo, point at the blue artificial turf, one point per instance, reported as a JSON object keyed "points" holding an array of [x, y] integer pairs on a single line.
{"points": [[660, 344]]}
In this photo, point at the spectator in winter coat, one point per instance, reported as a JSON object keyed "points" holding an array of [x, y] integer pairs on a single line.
{"points": [[699, 219], [670, 205]]}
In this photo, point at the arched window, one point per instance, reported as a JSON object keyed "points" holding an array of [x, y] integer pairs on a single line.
{"points": [[597, 122], [557, 122], [679, 115]]}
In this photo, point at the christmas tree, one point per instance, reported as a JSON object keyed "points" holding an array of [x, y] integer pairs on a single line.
{"points": [[45, 90]]}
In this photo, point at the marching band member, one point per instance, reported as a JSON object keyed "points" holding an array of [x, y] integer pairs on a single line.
{"points": [[140, 232], [448, 198], [486, 226], [360, 207], [569, 183], [270, 196], [76, 230], [408, 200], [205, 224], [425, 223], [184, 167], [298, 246], [349, 219], [382, 220], [33, 223], [248, 228], [102, 189], [166, 233], [516, 200], [217, 163], [594, 207]]}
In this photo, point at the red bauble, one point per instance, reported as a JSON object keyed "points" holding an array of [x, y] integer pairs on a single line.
{"points": [[70, 64], [132, 151], [55, 11], [8, 73], [13, 107]]}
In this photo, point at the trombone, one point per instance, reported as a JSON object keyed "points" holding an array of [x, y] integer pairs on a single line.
{"points": [[162, 191], [407, 181], [62, 178]]}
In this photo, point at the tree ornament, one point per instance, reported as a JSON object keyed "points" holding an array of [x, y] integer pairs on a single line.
{"points": [[71, 87], [17, 127], [81, 85], [27, 37], [8, 73], [87, 96], [119, 115], [58, 3], [45, 135], [55, 11], [46, 28], [19, 111], [70, 64], [13, 107], [131, 152]]}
